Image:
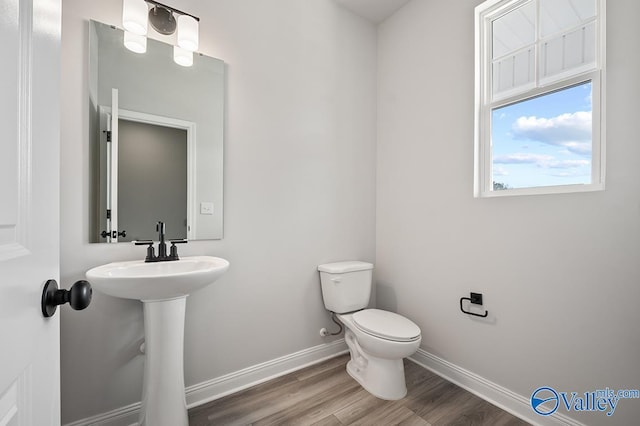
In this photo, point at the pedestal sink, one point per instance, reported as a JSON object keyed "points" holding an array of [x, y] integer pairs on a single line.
{"points": [[163, 288]]}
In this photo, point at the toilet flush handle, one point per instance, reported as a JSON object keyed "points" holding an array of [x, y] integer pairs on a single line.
{"points": [[336, 280]]}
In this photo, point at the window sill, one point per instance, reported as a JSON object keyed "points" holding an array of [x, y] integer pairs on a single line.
{"points": [[542, 190]]}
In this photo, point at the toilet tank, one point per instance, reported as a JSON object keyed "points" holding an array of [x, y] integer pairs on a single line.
{"points": [[346, 286]]}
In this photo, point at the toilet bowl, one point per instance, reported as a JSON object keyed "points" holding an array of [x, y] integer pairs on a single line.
{"points": [[378, 340], [377, 350]]}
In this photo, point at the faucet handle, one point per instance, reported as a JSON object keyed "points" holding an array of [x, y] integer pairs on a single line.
{"points": [[179, 241], [173, 252], [151, 252]]}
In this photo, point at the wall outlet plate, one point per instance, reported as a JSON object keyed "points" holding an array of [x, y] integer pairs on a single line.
{"points": [[476, 298]]}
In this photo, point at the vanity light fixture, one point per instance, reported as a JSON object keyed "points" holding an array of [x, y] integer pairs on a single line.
{"points": [[134, 42], [182, 56], [136, 15]]}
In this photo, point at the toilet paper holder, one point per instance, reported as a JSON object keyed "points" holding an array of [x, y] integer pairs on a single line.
{"points": [[475, 299]]}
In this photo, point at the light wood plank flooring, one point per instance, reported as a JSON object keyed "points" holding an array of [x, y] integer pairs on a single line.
{"points": [[325, 395]]}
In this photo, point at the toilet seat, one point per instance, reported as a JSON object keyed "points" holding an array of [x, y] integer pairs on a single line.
{"points": [[386, 325]]}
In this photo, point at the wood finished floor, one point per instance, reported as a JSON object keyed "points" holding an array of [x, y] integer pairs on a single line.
{"points": [[325, 395]]}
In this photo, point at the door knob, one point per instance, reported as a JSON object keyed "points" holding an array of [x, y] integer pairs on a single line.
{"points": [[78, 296]]}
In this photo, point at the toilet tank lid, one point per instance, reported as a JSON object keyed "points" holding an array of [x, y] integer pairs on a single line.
{"points": [[343, 267]]}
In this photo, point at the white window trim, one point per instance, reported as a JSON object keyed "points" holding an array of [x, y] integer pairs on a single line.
{"points": [[483, 183]]}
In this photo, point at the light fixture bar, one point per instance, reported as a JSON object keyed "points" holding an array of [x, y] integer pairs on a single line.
{"points": [[179, 12], [136, 16]]}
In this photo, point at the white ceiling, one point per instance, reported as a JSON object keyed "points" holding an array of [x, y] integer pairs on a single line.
{"points": [[375, 11]]}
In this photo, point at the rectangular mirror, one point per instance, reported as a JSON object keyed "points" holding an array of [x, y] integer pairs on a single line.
{"points": [[156, 133]]}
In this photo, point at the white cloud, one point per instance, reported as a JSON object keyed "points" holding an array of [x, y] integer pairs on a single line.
{"points": [[540, 160], [522, 158], [582, 148], [589, 97], [570, 173], [570, 130], [500, 171], [568, 164]]}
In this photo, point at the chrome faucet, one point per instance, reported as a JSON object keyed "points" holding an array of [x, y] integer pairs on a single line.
{"points": [[162, 246]]}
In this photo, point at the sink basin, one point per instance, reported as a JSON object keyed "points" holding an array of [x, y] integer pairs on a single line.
{"points": [[163, 288], [157, 281]]}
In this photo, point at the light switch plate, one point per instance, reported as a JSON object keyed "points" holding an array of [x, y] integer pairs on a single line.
{"points": [[206, 208]]}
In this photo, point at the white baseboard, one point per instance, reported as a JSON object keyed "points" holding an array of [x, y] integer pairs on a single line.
{"points": [[230, 383], [497, 395], [210, 390], [123, 416]]}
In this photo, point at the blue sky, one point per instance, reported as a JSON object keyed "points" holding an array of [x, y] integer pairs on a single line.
{"points": [[544, 141]]}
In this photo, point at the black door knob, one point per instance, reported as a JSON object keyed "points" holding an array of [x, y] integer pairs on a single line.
{"points": [[78, 296]]}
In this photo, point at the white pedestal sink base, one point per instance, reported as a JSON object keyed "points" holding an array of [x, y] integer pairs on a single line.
{"points": [[163, 397], [163, 288]]}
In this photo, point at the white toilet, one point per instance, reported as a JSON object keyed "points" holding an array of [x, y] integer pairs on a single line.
{"points": [[378, 340]]}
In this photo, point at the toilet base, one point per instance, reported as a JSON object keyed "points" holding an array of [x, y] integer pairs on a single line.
{"points": [[383, 378], [391, 388]]}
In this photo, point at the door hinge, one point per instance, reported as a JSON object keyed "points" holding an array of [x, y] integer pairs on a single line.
{"points": [[108, 213], [108, 132]]}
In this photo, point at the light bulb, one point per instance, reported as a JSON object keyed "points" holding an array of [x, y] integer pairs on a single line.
{"points": [[188, 32], [182, 56], [134, 16], [134, 42]]}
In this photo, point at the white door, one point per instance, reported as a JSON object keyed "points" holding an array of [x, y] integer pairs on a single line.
{"points": [[29, 210]]}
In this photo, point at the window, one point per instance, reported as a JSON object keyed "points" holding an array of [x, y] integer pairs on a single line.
{"points": [[539, 92]]}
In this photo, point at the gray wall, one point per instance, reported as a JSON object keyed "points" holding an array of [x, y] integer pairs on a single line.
{"points": [[299, 190], [152, 173], [97, 221], [560, 273]]}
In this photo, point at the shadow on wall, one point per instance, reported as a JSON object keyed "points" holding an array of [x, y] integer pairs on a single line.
{"points": [[386, 297]]}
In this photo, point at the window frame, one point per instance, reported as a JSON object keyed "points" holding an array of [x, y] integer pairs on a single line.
{"points": [[485, 13]]}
